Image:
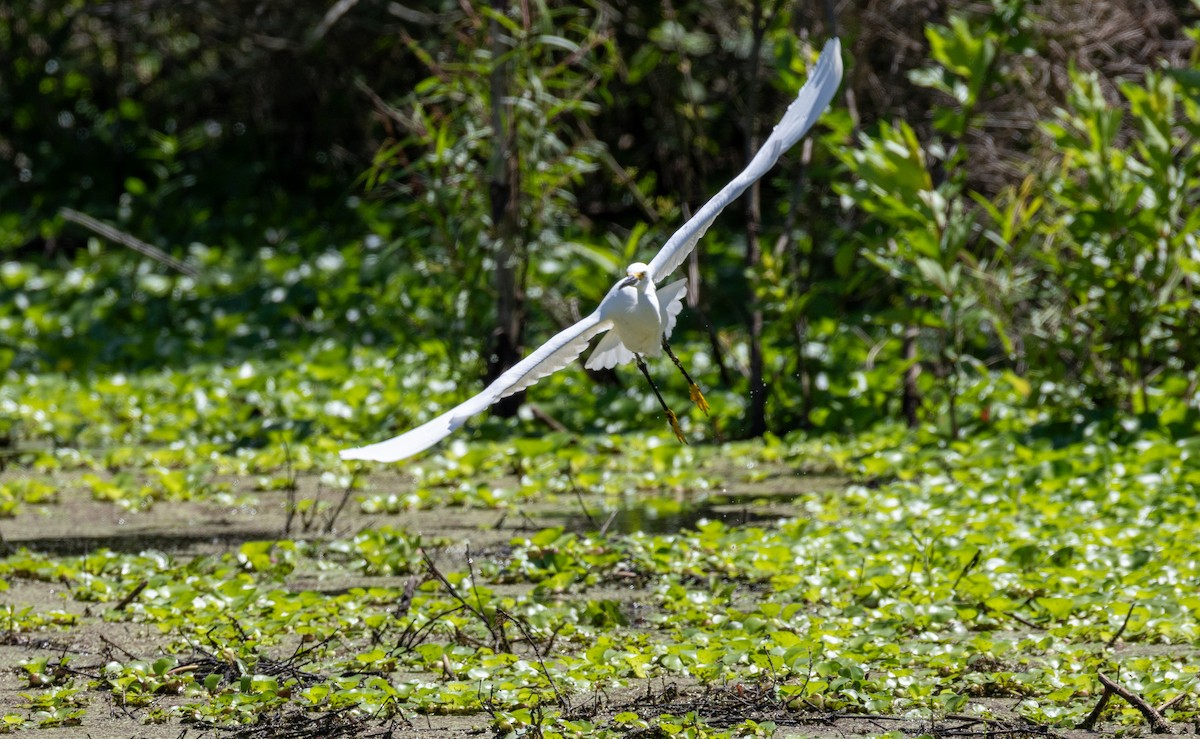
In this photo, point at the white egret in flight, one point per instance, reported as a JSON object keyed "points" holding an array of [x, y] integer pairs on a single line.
{"points": [[638, 316]]}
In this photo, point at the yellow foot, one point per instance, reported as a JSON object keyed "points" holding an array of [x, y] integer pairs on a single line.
{"points": [[698, 397], [675, 425]]}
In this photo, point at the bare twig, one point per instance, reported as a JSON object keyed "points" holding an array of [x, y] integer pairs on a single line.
{"points": [[125, 239], [405, 602], [1158, 724], [530, 524], [332, 16], [1014, 617], [1121, 630], [611, 517], [474, 609], [579, 497], [342, 503], [563, 703], [137, 590], [967, 568], [112, 644], [495, 626], [411, 638]]}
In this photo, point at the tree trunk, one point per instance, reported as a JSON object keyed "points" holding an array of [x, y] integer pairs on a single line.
{"points": [[505, 192], [910, 401], [756, 414]]}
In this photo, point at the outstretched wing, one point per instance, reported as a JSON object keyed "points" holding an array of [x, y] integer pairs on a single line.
{"points": [[814, 97], [552, 356]]}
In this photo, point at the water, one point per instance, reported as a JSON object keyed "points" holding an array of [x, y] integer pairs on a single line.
{"points": [[670, 515]]}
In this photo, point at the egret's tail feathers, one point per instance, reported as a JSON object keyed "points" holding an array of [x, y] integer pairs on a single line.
{"points": [[609, 353]]}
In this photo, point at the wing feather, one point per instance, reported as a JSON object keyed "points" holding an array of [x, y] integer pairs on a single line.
{"points": [[814, 97], [555, 354], [670, 302], [552, 356]]}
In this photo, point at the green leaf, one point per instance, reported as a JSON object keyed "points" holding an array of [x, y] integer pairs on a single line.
{"points": [[1057, 607]]}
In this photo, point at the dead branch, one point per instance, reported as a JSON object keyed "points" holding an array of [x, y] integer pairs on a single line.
{"points": [[544, 416], [332, 16], [421, 17], [1172, 703], [125, 239], [137, 590], [1158, 724], [408, 123], [1089, 721]]}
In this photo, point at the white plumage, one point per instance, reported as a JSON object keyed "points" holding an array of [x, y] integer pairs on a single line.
{"points": [[637, 316]]}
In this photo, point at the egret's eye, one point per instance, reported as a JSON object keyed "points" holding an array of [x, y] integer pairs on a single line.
{"points": [[641, 275]]}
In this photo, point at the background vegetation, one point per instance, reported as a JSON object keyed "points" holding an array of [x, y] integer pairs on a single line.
{"points": [[237, 236], [1006, 188]]}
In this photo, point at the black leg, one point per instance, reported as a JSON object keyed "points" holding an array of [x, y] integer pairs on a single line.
{"points": [[693, 389], [671, 417]]}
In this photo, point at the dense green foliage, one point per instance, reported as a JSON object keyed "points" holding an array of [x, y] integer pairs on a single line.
{"points": [[984, 322], [1078, 273]]}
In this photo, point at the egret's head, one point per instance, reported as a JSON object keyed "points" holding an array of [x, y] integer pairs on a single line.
{"points": [[638, 274]]}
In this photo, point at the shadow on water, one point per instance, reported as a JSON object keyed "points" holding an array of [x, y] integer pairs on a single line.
{"points": [[662, 515], [135, 542]]}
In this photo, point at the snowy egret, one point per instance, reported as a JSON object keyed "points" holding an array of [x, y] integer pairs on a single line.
{"points": [[638, 316]]}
